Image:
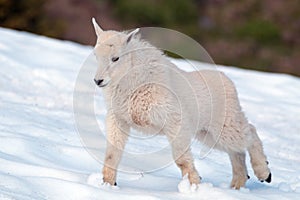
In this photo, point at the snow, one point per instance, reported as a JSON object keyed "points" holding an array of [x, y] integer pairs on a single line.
{"points": [[185, 187], [42, 155]]}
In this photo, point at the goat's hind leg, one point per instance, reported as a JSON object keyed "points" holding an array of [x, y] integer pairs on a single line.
{"points": [[239, 169], [183, 157], [257, 157]]}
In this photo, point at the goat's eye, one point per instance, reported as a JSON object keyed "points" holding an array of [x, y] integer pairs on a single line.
{"points": [[114, 59]]}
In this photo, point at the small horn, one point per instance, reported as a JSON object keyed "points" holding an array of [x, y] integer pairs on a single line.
{"points": [[97, 28]]}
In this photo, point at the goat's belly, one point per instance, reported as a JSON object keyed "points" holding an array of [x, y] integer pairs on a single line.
{"points": [[148, 129]]}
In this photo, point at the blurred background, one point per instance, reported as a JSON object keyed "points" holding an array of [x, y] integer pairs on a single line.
{"points": [[255, 34]]}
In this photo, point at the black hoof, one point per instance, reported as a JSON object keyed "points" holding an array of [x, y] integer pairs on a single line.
{"points": [[269, 179], [115, 184], [248, 176], [267, 162]]}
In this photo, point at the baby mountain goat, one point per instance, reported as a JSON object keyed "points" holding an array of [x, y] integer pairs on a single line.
{"points": [[143, 90]]}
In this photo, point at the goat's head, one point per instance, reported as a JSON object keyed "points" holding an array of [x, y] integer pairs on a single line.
{"points": [[110, 54]]}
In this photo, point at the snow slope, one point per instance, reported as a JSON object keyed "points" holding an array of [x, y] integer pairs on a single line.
{"points": [[42, 157]]}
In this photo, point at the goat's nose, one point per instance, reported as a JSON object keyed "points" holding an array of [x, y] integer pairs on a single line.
{"points": [[98, 82]]}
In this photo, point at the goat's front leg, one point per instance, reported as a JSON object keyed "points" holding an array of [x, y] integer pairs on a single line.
{"points": [[116, 137]]}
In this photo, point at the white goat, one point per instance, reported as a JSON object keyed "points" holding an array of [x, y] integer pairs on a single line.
{"points": [[145, 91]]}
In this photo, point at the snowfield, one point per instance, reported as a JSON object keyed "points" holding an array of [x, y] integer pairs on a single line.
{"points": [[42, 155]]}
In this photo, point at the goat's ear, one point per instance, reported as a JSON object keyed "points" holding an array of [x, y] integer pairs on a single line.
{"points": [[97, 28], [131, 34]]}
